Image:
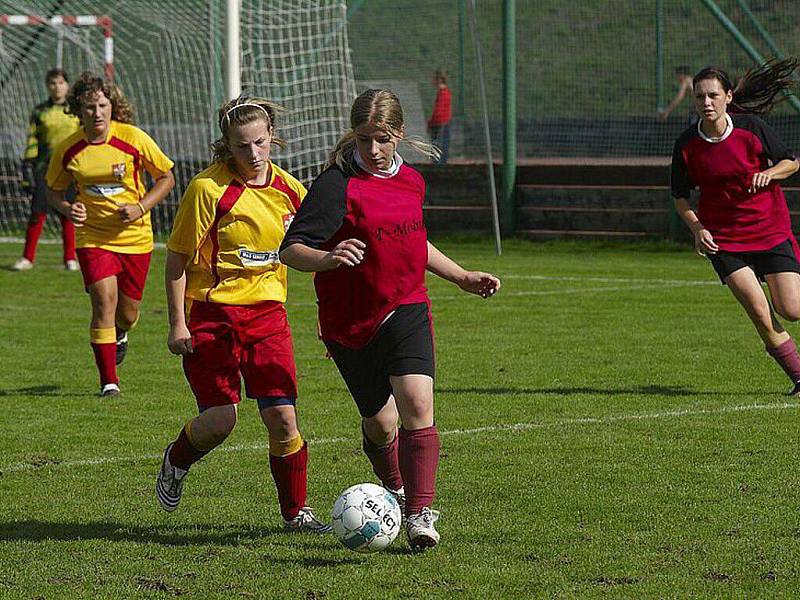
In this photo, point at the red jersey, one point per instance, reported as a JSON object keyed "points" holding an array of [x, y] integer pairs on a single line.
{"points": [[740, 221], [442, 111], [384, 213]]}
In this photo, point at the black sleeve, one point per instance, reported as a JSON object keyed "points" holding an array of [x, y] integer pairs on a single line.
{"points": [[680, 183], [774, 148], [321, 213]]}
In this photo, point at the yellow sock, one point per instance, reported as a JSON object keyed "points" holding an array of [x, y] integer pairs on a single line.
{"points": [[285, 448], [103, 335]]}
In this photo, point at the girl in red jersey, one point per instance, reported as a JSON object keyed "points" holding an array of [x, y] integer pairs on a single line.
{"points": [[742, 222], [222, 262], [361, 230], [106, 159]]}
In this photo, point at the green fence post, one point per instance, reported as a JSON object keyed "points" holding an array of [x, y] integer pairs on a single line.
{"points": [[509, 116], [659, 54], [744, 43]]}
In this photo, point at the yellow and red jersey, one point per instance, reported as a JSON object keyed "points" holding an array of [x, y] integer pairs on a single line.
{"points": [[232, 232], [107, 173]]}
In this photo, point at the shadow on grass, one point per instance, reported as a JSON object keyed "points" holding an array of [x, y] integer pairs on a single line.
{"points": [[638, 390], [38, 391], [40, 531]]}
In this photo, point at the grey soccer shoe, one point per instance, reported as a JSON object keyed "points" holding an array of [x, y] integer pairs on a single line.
{"points": [[169, 484], [306, 521], [122, 347], [421, 531]]}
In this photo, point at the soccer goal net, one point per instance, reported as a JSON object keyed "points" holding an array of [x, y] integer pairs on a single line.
{"points": [[168, 57]]}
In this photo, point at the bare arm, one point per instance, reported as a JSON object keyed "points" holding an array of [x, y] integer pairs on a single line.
{"points": [[161, 188], [179, 339], [474, 282], [703, 240], [304, 258], [679, 96], [75, 211], [785, 168]]}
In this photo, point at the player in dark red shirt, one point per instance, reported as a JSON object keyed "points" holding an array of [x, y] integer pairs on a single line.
{"points": [[742, 222], [361, 229], [439, 123]]}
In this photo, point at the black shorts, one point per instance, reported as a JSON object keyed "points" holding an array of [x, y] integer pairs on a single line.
{"points": [[779, 259], [403, 345]]}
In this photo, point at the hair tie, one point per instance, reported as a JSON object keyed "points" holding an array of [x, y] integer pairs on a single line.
{"points": [[233, 108]]}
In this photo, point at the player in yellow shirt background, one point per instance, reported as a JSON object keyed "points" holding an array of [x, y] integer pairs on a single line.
{"points": [[49, 125], [106, 160], [223, 271]]}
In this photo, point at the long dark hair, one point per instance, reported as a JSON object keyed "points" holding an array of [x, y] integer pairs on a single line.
{"points": [[759, 89]]}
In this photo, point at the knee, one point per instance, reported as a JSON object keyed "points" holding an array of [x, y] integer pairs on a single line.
{"points": [[790, 313], [220, 426], [127, 319], [281, 422], [380, 431], [104, 302]]}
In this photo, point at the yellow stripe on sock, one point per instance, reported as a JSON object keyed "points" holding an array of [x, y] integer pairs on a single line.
{"points": [[285, 448], [104, 335]]}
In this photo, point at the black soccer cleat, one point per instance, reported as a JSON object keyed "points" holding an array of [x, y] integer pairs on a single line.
{"points": [[122, 346], [795, 390]]}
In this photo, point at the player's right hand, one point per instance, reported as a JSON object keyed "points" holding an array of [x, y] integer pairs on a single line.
{"points": [[349, 253], [704, 242], [77, 213], [179, 340]]}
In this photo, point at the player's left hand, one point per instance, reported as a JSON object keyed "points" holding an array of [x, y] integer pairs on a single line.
{"points": [[481, 284], [760, 180], [128, 212]]}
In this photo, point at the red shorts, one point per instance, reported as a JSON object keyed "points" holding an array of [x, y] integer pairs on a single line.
{"points": [[231, 343], [130, 269]]}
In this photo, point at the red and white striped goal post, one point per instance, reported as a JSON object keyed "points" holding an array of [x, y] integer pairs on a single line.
{"points": [[103, 21]]}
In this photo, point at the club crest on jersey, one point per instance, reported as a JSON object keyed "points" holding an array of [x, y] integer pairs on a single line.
{"points": [[118, 169], [287, 220], [252, 258]]}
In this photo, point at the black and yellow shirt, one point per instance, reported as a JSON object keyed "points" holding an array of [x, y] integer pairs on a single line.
{"points": [[49, 126]]}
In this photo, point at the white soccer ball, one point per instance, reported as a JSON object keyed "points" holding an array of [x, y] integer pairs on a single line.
{"points": [[366, 518]]}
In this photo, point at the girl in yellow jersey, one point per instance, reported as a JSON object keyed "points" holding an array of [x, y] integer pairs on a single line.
{"points": [[106, 159], [223, 270]]}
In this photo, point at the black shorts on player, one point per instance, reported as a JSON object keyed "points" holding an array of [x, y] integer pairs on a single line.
{"points": [[403, 345], [779, 259]]}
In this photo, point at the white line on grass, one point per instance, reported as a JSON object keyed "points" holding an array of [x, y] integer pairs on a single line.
{"points": [[615, 279], [18, 467]]}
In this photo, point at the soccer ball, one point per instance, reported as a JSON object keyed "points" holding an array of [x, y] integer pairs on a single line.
{"points": [[366, 518]]}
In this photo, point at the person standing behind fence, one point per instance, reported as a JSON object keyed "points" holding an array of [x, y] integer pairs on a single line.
{"points": [[684, 77], [222, 262], [50, 124], [742, 222], [106, 159], [439, 123], [361, 230]]}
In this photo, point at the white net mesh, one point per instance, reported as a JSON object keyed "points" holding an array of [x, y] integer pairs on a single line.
{"points": [[168, 59]]}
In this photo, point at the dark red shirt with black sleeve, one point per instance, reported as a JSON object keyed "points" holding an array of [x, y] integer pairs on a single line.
{"points": [[740, 221], [385, 214]]}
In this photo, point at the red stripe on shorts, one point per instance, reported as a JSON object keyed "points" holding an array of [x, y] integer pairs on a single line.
{"points": [[229, 197], [133, 151]]}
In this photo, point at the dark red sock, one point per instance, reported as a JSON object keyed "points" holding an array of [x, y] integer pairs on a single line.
{"points": [[385, 463], [418, 451], [786, 356], [32, 235], [289, 473], [182, 454], [68, 237], [105, 355]]}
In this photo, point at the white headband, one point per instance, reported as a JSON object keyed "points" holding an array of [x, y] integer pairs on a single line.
{"points": [[233, 108]]}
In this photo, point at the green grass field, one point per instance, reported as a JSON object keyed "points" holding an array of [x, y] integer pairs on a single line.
{"points": [[611, 428]]}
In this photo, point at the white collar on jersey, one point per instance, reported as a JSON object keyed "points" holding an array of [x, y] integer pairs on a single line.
{"points": [[716, 140], [383, 173]]}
